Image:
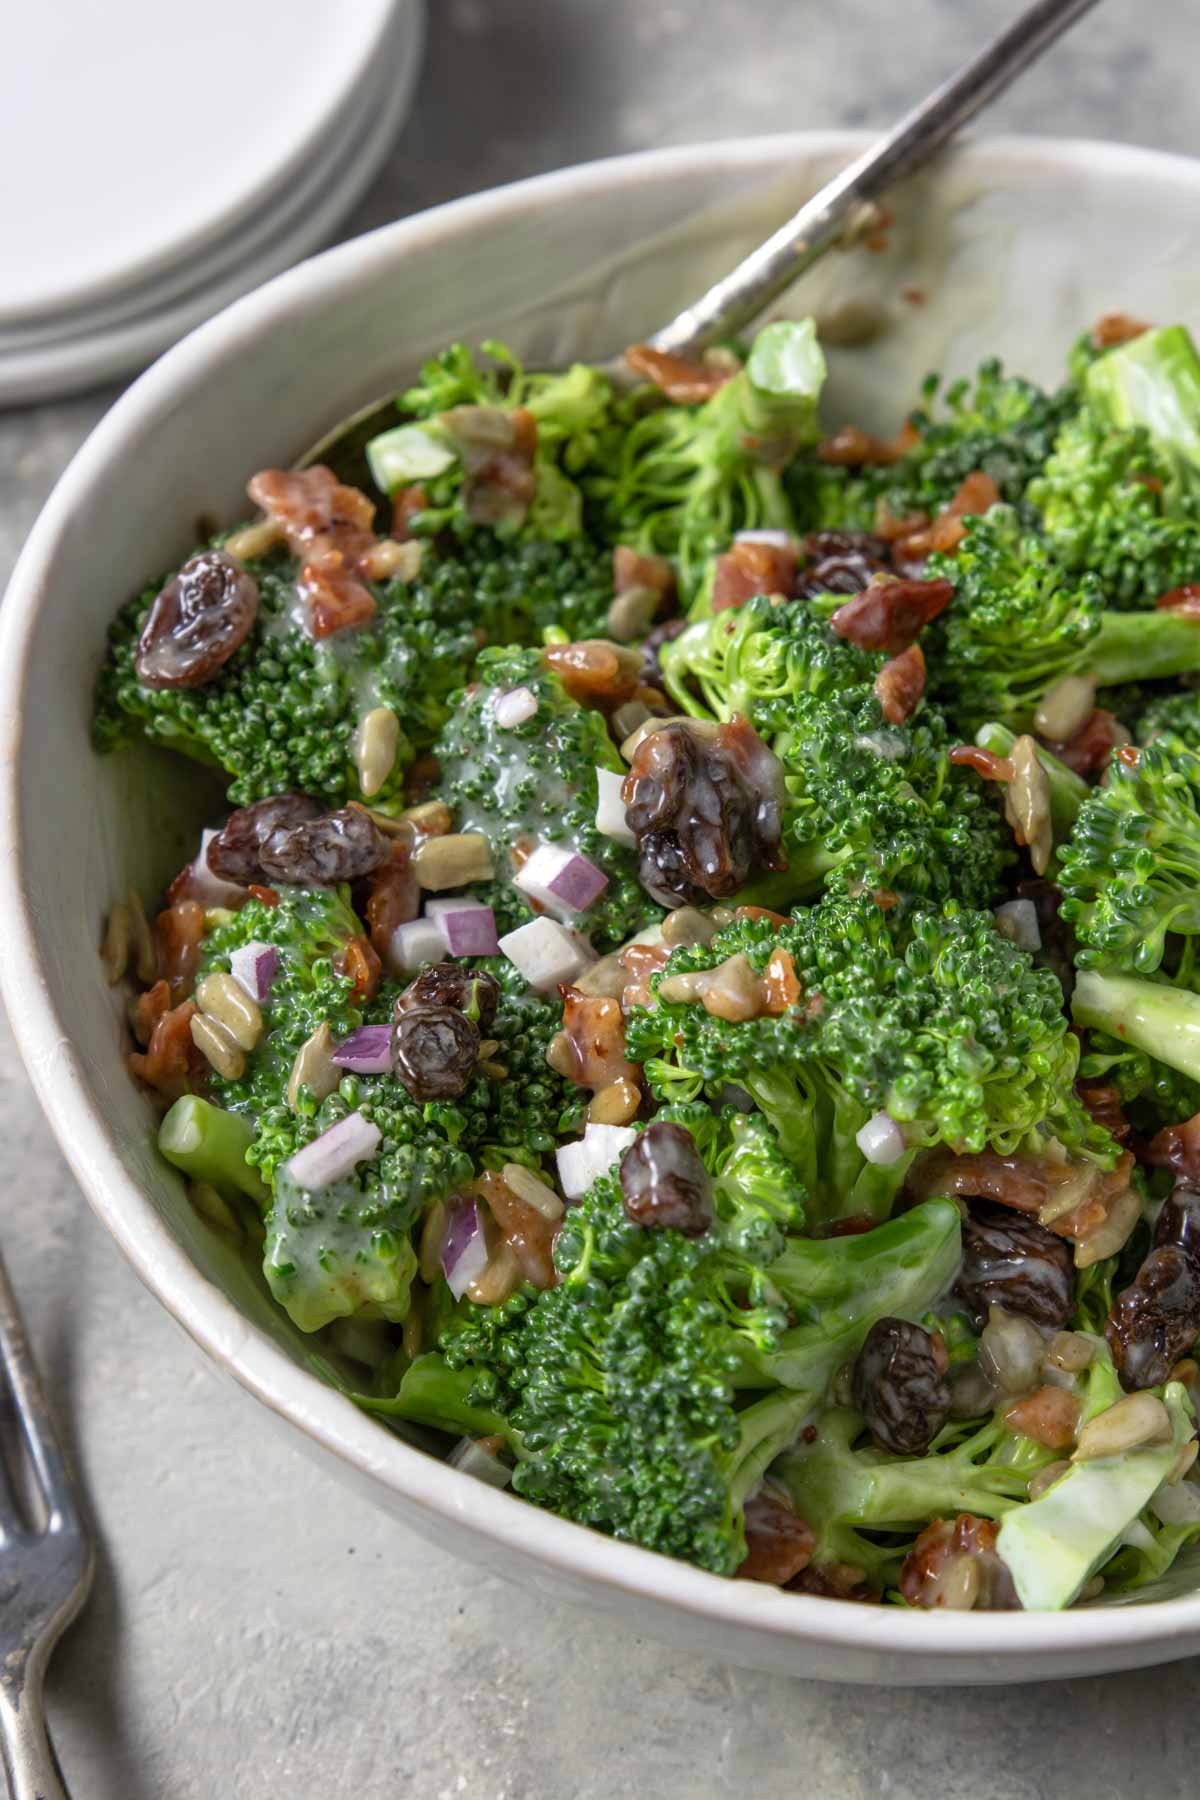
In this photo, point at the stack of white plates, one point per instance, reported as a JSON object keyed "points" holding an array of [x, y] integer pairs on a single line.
{"points": [[163, 160]]}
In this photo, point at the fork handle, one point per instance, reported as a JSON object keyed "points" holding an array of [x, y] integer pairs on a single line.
{"points": [[30, 1765]]}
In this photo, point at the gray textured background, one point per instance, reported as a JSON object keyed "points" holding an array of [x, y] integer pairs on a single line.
{"points": [[257, 1632]]}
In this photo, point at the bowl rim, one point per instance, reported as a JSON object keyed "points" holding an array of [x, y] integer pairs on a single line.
{"points": [[296, 1395]]}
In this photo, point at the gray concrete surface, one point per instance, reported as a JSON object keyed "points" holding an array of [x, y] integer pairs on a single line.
{"points": [[255, 1632]]}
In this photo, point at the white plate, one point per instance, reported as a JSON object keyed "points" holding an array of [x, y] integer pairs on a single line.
{"points": [[149, 132], [94, 344]]}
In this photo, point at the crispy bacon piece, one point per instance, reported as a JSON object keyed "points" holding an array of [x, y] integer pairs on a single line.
{"points": [[899, 685], [889, 615], [1185, 599], [318, 515], [1075, 1200], [924, 1576], [1176, 1147], [407, 502], [337, 599], [834, 1581], [751, 568], [590, 1048], [527, 1232], [633, 569], [642, 961], [685, 380], [496, 446], [778, 1542], [171, 1065], [851, 448], [393, 897], [975, 495], [1116, 328], [1103, 1101], [888, 527], [1089, 749], [178, 936], [148, 1009], [359, 961], [1049, 1416]]}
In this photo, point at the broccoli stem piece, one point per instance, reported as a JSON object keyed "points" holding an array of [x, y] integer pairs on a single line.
{"points": [[208, 1144], [1163, 1021], [1132, 646], [1068, 791], [432, 1393]]}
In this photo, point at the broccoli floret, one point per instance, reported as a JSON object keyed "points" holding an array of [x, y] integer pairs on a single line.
{"points": [[758, 659], [950, 1029], [537, 781], [1018, 624], [640, 1395], [1131, 871], [1172, 720], [688, 477], [1153, 382]]}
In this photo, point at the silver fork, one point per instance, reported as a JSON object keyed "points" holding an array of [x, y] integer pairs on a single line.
{"points": [[45, 1569]]}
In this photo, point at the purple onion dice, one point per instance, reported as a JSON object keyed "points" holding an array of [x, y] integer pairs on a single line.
{"points": [[367, 1051], [335, 1154], [254, 968], [468, 927], [464, 1247]]}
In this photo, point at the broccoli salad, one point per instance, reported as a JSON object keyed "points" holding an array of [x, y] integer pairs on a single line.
{"points": [[690, 987]]}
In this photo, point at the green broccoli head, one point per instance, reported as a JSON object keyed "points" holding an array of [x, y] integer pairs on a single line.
{"points": [[1172, 720], [537, 782]]}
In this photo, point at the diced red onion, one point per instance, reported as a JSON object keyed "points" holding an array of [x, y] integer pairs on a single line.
{"points": [[470, 1458], [367, 1051], [254, 967], [592, 1155], [1018, 920], [336, 1153], [514, 707], [464, 1247], [778, 540], [560, 878], [468, 927], [413, 945], [881, 1140], [547, 953], [610, 808]]}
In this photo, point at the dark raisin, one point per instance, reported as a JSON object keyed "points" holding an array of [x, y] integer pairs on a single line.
{"points": [[664, 1182], [434, 1051], [1178, 1221], [234, 853], [338, 846], [197, 622], [900, 1387], [841, 562], [473, 992], [1156, 1320], [652, 643], [1010, 1260]]}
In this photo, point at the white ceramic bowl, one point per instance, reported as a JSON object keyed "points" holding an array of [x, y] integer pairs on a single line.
{"points": [[1011, 247]]}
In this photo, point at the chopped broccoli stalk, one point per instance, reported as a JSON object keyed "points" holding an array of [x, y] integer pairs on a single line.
{"points": [[1056, 1543], [1152, 1016], [1154, 381], [1131, 872], [208, 1144], [1068, 791]]}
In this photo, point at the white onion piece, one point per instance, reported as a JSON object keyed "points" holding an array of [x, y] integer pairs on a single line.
{"points": [[610, 808], [413, 945], [253, 967], [470, 1458], [468, 927], [1018, 920], [560, 879], [590, 1156], [881, 1140], [464, 1248], [778, 540], [546, 953], [514, 707], [336, 1153]]}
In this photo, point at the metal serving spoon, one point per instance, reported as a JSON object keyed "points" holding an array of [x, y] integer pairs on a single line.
{"points": [[762, 276]]}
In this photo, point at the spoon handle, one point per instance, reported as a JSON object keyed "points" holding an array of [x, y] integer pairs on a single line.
{"points": [[741, 295]]}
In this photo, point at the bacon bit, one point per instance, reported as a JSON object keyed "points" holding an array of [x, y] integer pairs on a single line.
{"points": [[178, 936], [1185, 600], [885, 899], [914, 295], [781, 984], [748, 569], [148, 1009], [642, 961], [834, 1581], [590, 1048], [1103, 1102], [889, 527], [778, 1542], [760, 912], [407, 502], [942, 1543], [1075, 1200], [393, 897], [889, 614], [337, 600], [318, 515], [1049, 1416], [596, 672], [1088, 751], [1129, 755], [358, 960], [684, 380], [527, 1232], [632, 569], [183, 887], [1176, 1147], [984, 762], [899, 685], [172, 1065], [496, 446], [975, 495], [851, 448], [1151, 482], [267, 896], [1116, 328]]}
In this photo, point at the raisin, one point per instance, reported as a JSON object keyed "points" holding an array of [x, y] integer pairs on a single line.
{"points": [[1156, 1320], [841, 562], [449, 984], [778, 1542], [434, 1051], [900, 684], [197, 622], [1178, 1221], [393, 897], [664, 1182], [1010, 1260], [652, 643], [900, 1387], [890, 615], [321, 852], [233, 854]]}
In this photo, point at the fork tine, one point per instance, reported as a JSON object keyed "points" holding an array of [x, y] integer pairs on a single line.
{"points": [[11, 1522], [33, 1414]]}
